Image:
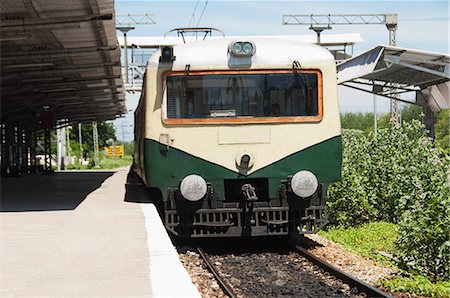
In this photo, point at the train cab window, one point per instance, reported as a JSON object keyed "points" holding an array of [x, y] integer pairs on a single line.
{"points": [[244, 95]]}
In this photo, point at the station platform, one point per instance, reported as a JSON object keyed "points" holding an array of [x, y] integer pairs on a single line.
{"points": [[72, 234]]}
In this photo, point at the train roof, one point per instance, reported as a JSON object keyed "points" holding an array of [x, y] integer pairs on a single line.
{"points": [[155, 42], [272, 53]]}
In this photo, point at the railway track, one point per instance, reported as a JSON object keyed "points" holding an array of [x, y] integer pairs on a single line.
{"points": [[272, 274], [362, 286], [222, 283]]}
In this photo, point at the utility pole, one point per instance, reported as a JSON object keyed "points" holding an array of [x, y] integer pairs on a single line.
{"points": [[320, 22], [123, 133], [95, 138], [80, 140], [122, 129]]}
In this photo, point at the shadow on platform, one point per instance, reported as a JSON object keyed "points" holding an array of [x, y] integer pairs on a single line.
{"points": [[137, 192], [40, 192]]}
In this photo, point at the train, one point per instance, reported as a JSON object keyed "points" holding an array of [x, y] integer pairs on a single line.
{"points": [[239, 137]]}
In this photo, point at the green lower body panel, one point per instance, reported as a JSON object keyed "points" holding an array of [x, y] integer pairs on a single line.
{"points": [[165, 168], [228, 211]]}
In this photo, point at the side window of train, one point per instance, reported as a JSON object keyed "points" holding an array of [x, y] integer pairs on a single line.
{"points": [[243, 95]]}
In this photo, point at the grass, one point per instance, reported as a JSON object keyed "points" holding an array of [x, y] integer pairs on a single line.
{"points": [[107, 163], [419, 285], [373, 240], [377, 241], [115, 162]]}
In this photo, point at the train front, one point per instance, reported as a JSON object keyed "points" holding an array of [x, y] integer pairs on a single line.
{"points": [[242, 137]]}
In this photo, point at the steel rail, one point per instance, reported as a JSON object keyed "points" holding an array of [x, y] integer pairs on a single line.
{"points": [[225, 287], [348, 279]]}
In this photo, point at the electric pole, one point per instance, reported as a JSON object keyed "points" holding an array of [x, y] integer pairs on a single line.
{"points": [[81, 141], [95, 138], [126, 23], [320, 22]]}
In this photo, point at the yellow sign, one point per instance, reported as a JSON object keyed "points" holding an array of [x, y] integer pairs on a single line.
{"points": [[114, 151]]}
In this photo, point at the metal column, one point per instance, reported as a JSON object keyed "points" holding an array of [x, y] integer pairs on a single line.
{"points": [[32, 142], [13, 153], [392, 25], [23, 149], [4, 149], [47, 151]]}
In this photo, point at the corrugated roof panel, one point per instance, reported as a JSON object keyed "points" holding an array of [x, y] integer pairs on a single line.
{"points": [[391, 70], [62, 54], [418, 68]]}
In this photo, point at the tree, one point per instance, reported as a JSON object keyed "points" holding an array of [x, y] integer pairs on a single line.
{"points": [[442, 130], [410, 112], [105, 130], [360, 121]]}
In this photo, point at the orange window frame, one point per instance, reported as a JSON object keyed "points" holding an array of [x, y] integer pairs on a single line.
{"points": [[245, 120]]}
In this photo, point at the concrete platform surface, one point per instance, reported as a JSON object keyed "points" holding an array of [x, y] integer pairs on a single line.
{"points": [[84, 240]]}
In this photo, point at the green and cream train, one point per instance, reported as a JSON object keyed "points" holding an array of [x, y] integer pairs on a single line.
{"points": [[240, 137]]}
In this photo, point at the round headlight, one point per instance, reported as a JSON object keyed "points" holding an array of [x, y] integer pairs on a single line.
{"points": [[304, 184], [247, 48], [193, 187], [237, 47]]}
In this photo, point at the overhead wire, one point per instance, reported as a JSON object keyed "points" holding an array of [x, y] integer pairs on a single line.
{"points": [[201, 15], [193, 14]]}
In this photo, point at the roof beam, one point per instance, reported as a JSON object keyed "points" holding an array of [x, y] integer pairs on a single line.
{"points": [[59, 90], [398, 60], [34, 24], [347, 84], [57, 53], [60, 79], [62, 69]]}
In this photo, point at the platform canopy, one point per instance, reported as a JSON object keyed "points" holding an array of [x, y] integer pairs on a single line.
{"points": [[389, 71], [60, 56]]}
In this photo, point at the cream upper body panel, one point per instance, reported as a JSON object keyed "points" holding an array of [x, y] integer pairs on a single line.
{"points": [[266, 142], [270, 53]]}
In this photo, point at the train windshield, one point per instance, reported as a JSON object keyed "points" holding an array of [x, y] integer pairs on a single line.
{"points": [[242, 95]]}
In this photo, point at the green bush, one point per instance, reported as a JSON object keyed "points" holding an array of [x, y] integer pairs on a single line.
{"points": [[424, 228], [350, 202], [419, 285], [398, 176]]}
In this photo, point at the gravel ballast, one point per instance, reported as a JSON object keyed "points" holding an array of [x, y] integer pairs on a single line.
{"points": [[279, 272]]}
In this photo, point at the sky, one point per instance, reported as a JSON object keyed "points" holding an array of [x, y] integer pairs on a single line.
{"points": [[422, 25]]}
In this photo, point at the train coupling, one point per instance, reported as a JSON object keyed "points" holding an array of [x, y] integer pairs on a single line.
{"points": [[249, 193]]}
